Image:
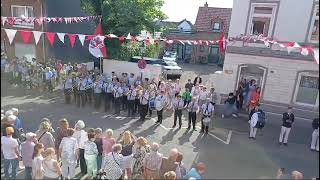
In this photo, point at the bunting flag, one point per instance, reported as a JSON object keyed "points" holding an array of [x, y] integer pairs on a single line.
{"points": [[316, 55], [61, 36], [96, 46], [25, 35], [50, 36], [36, 35], [11, 33], [222, 43], [72, 38], [81, 38], [129, 37]]}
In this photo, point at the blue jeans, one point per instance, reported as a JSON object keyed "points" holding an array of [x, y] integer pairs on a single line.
{"points": [[28, 173], [14, 164], [229, 109], [99, 161]]}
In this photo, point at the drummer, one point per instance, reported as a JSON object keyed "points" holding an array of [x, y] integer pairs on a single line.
{"points": [[144, 98], [160, 101], [207, 112]]}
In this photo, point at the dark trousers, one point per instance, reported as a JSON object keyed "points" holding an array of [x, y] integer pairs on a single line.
{"points": [[117, 104], [83, 165], [107, 101], [204, 127], [89, 95], [67, 95], [150, 112], [143, 111], [131, 107], [49, 85], [136, 106], [160, 116], [97, 100], [192, 116], [186, 102], [124, 103], [81, 98], [75, 95], [177, 114]]}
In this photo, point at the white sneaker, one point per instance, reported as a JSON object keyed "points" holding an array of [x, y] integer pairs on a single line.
{"points": [[234, 115], [222, 115]]}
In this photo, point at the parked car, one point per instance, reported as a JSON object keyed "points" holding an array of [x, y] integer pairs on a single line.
{"points": [[170, 55], [170, 69]]}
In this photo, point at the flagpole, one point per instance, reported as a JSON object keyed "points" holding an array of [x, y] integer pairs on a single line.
{"points": [[101, 58]]}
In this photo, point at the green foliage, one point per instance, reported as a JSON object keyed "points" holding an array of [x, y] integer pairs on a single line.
{"points": [[130, 49]]}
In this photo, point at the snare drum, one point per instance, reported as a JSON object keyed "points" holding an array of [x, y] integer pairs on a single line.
{"points": [[152, 104], [206, 121]]}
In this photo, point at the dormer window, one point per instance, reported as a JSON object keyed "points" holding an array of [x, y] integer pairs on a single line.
{"points": [[216, 26]]}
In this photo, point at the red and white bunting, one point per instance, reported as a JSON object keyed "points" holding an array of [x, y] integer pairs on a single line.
{"points": [[81, 38], [61, 36], [37, 35], [11, 33]]}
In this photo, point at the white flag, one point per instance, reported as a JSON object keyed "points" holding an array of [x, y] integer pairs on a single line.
{"points": [[96, 45], [81, 38], [37, 35], [61, 36], [316, 55], [11, 33]]}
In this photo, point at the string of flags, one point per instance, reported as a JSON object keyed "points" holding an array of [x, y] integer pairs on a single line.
{"points": [[40, 20], [51, 37]]}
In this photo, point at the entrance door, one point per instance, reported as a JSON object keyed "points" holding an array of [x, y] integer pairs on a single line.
{"points": [[214, 55], [250, 72], [307, 90]]}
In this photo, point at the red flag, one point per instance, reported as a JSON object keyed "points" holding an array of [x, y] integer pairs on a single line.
{"points": [[50, 36], [96, 47], [72, 38], [222, 43], [25, 36]]}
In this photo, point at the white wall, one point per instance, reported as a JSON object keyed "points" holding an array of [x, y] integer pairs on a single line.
{"points": [[238, 17], [293, 20], [185, 26]]}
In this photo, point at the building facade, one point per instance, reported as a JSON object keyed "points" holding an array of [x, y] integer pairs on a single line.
{"points": [[285, 78], [18, 8], [209, 25]]}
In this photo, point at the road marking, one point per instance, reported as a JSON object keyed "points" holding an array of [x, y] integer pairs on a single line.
{"points": [[304, 119], [286, 107]]}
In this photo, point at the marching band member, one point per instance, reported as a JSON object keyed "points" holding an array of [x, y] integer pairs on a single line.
{"points": [[124, 97], [152, 94], [75, 81], [177, 87], [178, 106], [137, 100], [213, 96], [88, 88], [203, 95], [131, 100], [171, 95], [97, 89], [109, 95], [67, 87], [160, 101], [131, 80], [117, 94], [195, 91], [144, 99], [81, 92], [161, 87], [186, 96], [207, 112], [192, 113]]}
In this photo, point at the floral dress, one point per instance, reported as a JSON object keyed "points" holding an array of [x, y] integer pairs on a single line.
{"points": [[139, 155]]}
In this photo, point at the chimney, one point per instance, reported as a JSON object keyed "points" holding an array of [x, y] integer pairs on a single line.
{"points": [[206, 4]]}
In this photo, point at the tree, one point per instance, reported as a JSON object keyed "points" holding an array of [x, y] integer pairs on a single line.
{"points": [[123, 16]]}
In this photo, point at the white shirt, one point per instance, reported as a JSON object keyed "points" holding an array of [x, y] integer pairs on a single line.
{"points": [[68, 84], [160, 102], [81, 137], [109, 87], [117, 92], [193, 107], [8, 145], [207, 109], [87, 83], [69, 147], [203, 95], [132, 94], [131, 81], [144, 98], [81, 85], [178, 104], [97, 87], [195, 91], [177, 88], [254, 119]]}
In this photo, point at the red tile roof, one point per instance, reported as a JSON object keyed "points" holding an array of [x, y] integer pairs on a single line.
{"points": [[207, 14]]}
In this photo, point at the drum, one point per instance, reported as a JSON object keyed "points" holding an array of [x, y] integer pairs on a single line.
{"points": [[152, 104], [206, 121]]}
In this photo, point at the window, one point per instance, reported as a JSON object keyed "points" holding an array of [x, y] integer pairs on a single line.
{"points": [[314, 31], [216, 26], [22, 11], [261, 21], [25, 50], [307, 89]]}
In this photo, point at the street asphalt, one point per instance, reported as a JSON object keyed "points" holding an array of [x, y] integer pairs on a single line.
{"points": [[226, 151]]}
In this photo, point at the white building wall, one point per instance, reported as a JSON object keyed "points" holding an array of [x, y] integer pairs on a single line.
{"points": [[279, 85], [293, 20], [184, 26], [239, 17]]}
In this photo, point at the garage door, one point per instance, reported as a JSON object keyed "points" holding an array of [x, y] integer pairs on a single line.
{"points": [[27, 50]]}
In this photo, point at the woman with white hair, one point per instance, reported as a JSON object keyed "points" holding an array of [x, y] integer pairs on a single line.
{"points": [[81, 137], [17, 123], [152, 162], [44, 135], [113, 163], [8, 121], [169, 163]]}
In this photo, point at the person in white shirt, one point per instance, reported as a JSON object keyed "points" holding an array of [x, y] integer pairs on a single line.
{"points": [[124, 100], [97, 90], [161, 102], [48, 77], [195, 91], [131, 96], [67, 88], [253, 122], [68, 152], [131, 80], [81, 137], [203, 95], [81, 98], [192, 108], [177, 87], [207, 110], [178, 106], [11, 154], [109, 95], [88, 85], [117, 94], [144, 99]]}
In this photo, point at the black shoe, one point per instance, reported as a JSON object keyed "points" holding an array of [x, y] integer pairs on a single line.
{"points": [[173, 126], [280, 143], [253, 138], [180, 127], [285, 144], [188, 127], [194, 129], [249, 137], [201, 131], [156, 122]]}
